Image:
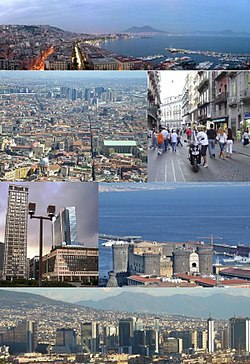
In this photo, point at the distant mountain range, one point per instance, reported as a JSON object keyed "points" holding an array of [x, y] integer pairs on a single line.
{"points": [[149, 29], [218, 305], [144, 29]]}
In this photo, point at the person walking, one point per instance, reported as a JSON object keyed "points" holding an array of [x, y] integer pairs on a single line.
{"points": [[211, 135], [174, 140], [165, 140], [189, 134], [202, 139], [222, 139], [160, 142], [179, 139], [229, 142], [245, 138]]}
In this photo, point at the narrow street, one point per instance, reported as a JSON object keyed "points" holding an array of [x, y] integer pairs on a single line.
{"points": [[175, 167]]}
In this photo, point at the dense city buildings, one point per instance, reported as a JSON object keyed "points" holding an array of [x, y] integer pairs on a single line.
{"points": [[67, 128], [87, 335], [16, 229]]}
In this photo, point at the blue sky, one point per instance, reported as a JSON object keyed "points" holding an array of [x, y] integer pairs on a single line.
{"points": [[118, 15]]}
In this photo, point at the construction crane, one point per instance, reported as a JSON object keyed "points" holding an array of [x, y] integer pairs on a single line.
{"points": [[211, 238]]}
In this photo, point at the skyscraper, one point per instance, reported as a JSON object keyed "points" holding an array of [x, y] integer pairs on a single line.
{"points": [[15, 252], [210, 336], [240, 333], [64, 227], [22, 338], [90, 336], [126, 334]]}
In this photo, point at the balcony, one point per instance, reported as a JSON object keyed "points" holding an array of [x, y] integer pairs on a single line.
{"points": [[203, 83], [202, 104], [245, 94], [221, 97], [232, 101]]}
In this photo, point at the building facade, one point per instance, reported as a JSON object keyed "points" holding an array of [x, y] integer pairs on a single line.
{"points": [[71, 264], [16, 230]]}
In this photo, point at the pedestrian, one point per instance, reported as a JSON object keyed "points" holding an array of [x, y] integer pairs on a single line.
{"points": [[174, 140], [179, 139], [238, 135], [165, 140], [169, 143], [245, 138], [230, 142], [202, 139], [211, 135], [222, 139], [160, 142], [189, 133]]}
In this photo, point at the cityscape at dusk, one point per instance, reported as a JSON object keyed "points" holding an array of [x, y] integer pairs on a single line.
{"points": [[105, 35]]}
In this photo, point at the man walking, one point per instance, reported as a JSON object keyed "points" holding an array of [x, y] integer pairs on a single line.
{"points": [[211, 135], [203, 140]]}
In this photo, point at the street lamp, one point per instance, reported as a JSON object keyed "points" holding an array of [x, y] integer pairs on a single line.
{"points": [[92, 150], [51, 213]]}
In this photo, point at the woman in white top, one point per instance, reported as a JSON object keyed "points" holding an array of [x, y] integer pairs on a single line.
{"points": [[222, 139]]}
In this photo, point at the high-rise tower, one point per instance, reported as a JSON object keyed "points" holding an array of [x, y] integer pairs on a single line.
{"points": [[16, 228], [64, 227]]}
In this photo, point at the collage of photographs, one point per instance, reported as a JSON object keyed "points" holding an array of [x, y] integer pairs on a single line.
{"points": [[124, 182]]}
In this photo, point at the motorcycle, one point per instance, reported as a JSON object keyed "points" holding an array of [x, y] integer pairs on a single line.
{"points": [[194, 156]]}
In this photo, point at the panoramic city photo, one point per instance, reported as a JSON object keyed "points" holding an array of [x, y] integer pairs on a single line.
{"points": [[132, 326], [124, 35], [73, 126], [198, 126], [49, 234], [174, 235]]}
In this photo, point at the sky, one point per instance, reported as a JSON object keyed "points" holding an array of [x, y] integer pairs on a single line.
{"points": [[172, 83], [84, 196], [118, 15], [74, 295], [73, 75]]}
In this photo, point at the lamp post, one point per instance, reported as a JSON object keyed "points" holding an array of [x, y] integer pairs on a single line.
{"points": [[51, 213], [92, 150]]}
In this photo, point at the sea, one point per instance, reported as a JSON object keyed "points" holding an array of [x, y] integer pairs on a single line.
{"points": [[175, 213], [142, 47]]}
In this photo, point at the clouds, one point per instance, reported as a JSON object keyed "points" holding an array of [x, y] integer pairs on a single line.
{"points": [[84, 196], [117, 15]]}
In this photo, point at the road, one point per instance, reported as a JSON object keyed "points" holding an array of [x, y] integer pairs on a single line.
{"points": [[175, 167]]}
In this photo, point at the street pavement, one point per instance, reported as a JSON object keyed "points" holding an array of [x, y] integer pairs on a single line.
{"points": [[175, 167]]}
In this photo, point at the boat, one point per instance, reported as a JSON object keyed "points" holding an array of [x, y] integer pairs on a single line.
{"points": [[110, 243], [237, 259]]}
